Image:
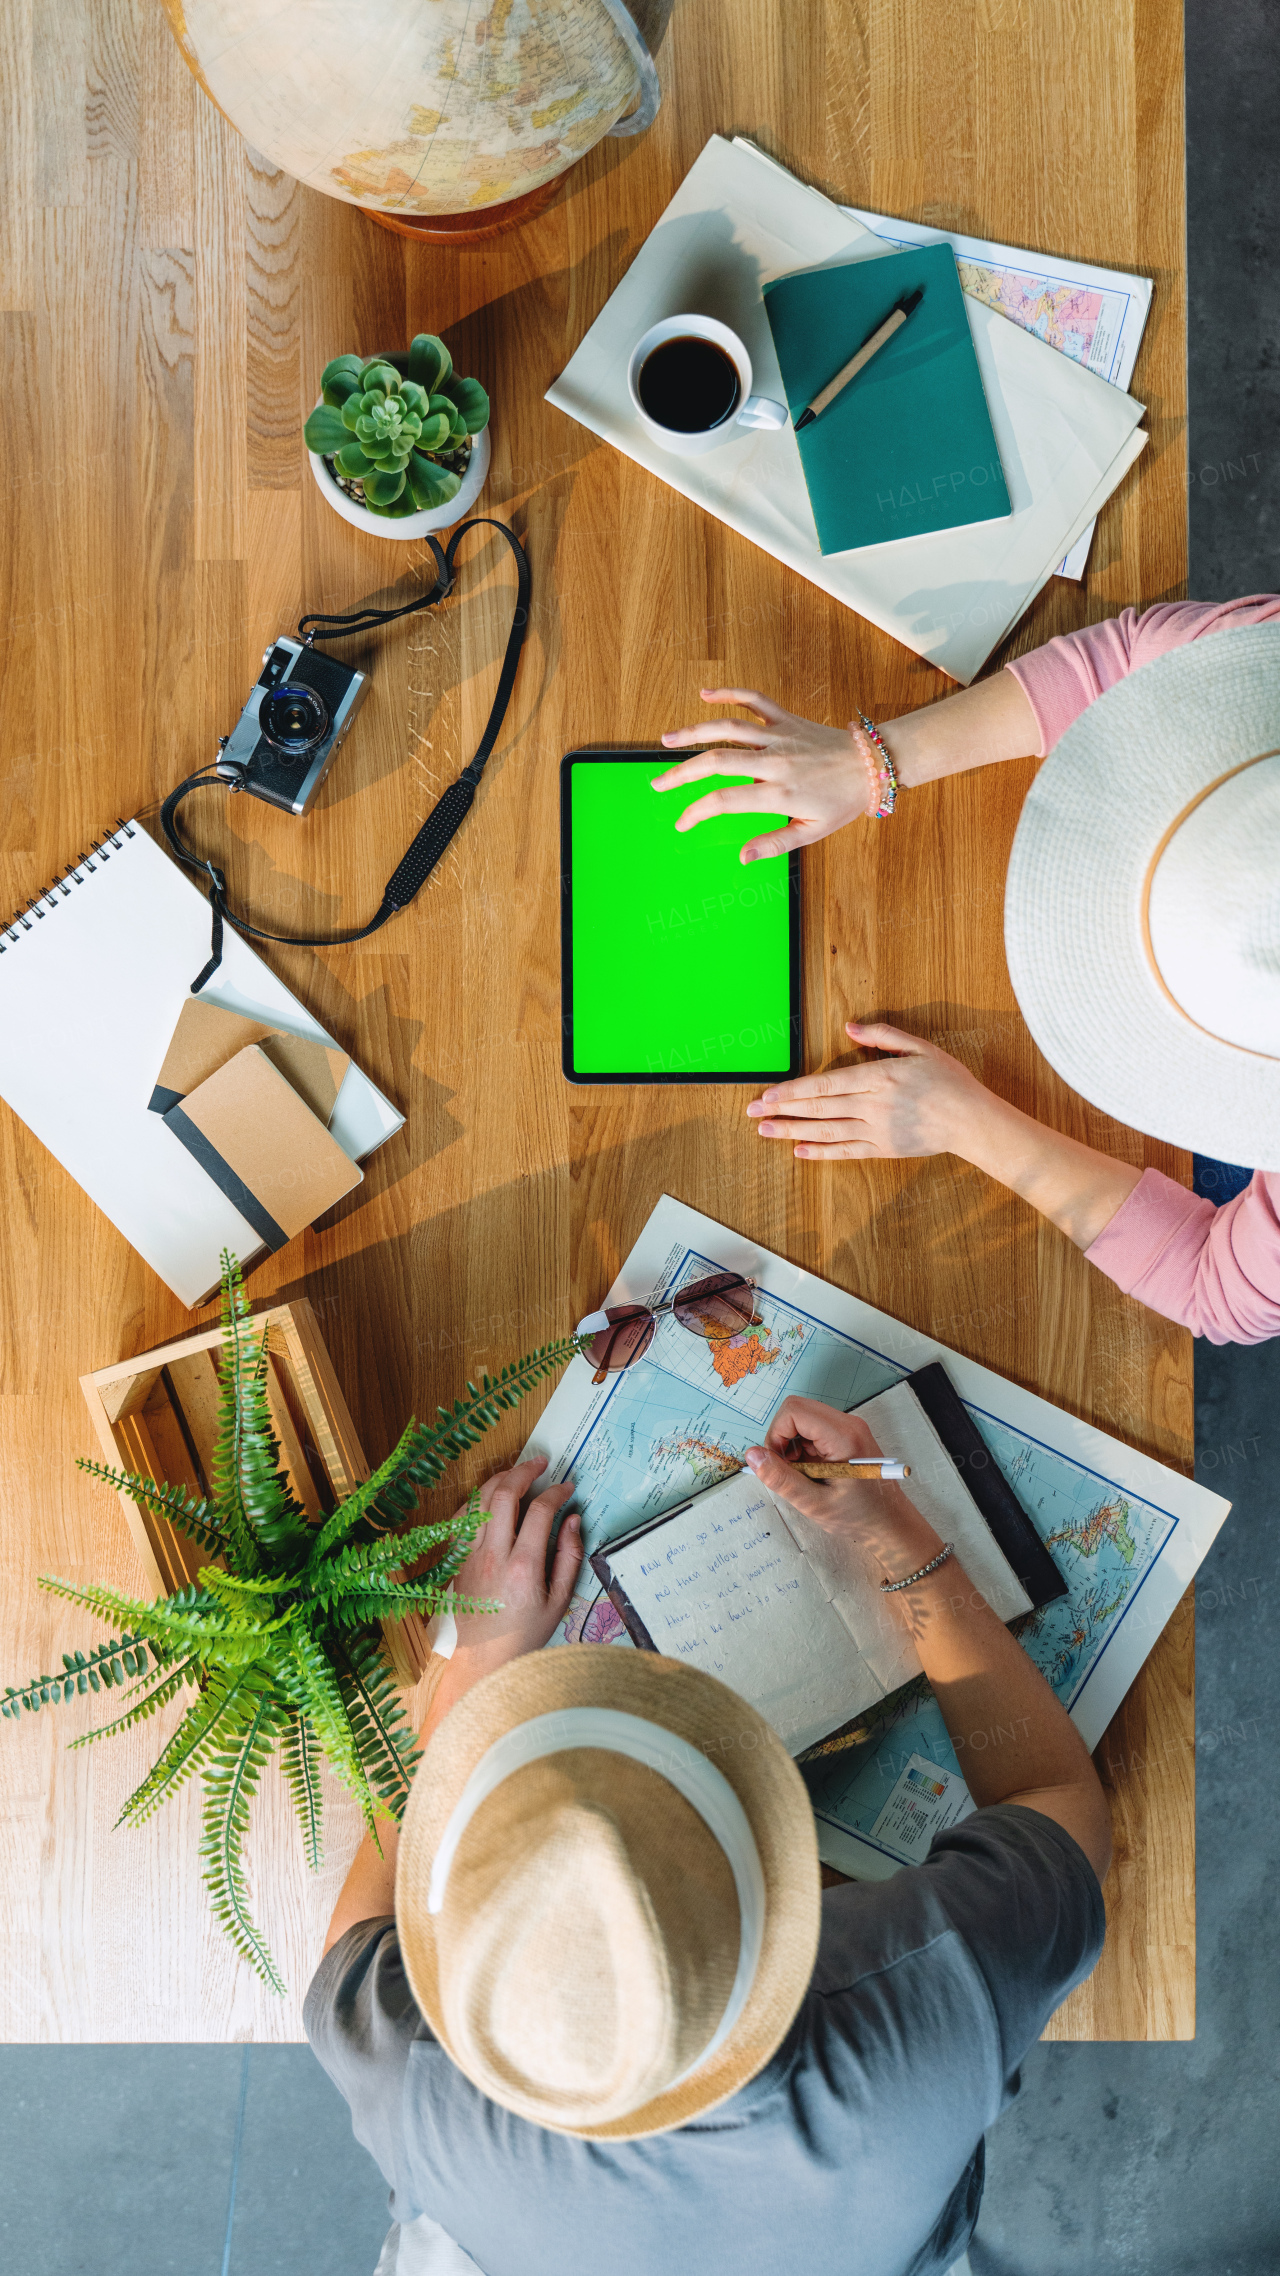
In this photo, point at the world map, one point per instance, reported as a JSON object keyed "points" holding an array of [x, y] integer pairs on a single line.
{"points": [[1077, 320], [682, 1418]]}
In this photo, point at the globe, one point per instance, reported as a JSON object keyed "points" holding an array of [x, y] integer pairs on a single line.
{"points": [[420, 107]]}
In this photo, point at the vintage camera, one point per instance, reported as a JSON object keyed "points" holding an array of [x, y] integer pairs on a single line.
{"points": [[285, 740]]}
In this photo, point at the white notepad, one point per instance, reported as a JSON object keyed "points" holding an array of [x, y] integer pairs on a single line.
{"points": [[92, 979]]}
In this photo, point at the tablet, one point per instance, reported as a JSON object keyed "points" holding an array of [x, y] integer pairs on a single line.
{"points": [[678, 965]]}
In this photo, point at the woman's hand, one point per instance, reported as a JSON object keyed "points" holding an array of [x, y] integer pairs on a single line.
{"points": [[508, 1562], [875, 1511], [821, 778], [920, 1102]]}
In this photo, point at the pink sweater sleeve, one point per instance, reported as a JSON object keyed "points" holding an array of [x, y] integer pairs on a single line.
{"points": [[1216, 1271], [1061, 679]]}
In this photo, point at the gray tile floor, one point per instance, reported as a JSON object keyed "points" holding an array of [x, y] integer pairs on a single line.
{"points": [[1162, 2160], [1116, 2161]]}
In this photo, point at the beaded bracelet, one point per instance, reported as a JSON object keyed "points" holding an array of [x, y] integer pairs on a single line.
{"points": [[890, 1588], [885, 773]]}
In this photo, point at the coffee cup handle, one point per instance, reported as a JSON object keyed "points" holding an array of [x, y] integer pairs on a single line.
{"points": [[758, 411]]}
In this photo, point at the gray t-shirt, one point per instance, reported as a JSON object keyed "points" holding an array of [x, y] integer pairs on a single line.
{"points": [[856, 2152]]}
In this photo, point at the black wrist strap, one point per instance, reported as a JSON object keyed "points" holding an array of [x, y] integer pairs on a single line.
{"points": [[446, 816]]}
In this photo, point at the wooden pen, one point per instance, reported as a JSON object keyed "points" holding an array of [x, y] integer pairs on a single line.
{"points": [[871, 346], [884, 1468]]}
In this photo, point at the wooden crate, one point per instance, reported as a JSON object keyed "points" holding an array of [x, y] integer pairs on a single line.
{"points": [[157, 1415]]}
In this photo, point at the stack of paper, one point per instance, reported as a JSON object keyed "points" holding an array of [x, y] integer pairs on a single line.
{"points": [[1095, 316], [1066, 437]]}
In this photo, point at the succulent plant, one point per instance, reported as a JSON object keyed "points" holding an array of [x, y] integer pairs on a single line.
{"points": [[404, 438]]}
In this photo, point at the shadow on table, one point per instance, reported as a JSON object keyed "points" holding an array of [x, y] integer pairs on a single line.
{"points": [[411, 1318]]}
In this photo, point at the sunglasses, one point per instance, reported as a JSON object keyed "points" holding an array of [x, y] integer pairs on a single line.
{"points": [[717, 1309]]}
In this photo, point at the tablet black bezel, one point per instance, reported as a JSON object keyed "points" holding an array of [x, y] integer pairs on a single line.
{"points": [[639, 756]]}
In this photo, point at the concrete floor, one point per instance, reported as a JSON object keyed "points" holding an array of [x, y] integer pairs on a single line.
{"points": [[1116, 2160], [1162, 2160]]}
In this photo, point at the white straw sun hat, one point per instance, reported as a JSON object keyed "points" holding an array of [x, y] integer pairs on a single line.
{"points": [[1142, 909], [607, 1890]]}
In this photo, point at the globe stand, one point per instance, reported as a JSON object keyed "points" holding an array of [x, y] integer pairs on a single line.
{"points": [[472, 228]]}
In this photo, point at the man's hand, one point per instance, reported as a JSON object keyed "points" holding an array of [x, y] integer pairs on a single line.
{"points": [[818, 774], [508, 1563], [920, 1102]]}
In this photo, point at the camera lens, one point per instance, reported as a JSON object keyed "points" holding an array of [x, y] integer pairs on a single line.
{"points": [[293, 719]]}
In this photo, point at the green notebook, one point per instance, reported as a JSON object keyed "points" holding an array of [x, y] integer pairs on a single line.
{"points": [[908, 447]]}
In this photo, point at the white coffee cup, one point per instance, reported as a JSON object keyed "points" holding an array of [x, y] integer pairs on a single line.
{"points": [[752, 410]]}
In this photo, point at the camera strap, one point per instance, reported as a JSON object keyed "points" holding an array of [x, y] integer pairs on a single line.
{"points": [[451, 808]]}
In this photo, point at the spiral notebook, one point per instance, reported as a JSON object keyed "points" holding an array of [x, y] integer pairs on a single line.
{"points": [[93, 976]]}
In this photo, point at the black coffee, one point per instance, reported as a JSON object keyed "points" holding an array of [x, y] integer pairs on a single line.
{"points": [[688, 384]]}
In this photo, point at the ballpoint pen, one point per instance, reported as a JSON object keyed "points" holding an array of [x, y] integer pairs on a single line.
{"points": [[874, 341]]}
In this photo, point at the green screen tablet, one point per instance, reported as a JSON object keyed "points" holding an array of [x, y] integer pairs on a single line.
{"points": [[678, 965]]}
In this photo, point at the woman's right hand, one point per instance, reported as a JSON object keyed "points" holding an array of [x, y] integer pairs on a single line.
{"points": [[821, 777], [886, 1524], [918, 1101]]}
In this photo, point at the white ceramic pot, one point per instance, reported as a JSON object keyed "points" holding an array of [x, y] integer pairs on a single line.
{"points": [[410, 525]]}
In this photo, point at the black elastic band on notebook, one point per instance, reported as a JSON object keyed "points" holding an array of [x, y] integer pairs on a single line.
{"points": [[446, 816], [241, 1196]]}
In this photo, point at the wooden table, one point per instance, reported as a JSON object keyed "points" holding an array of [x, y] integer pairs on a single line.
{"points": [[169, 303]]}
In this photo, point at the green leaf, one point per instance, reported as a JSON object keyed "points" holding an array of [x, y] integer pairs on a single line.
{"points": [[435, 432], [192, 1517], [415, 398], [230, 1782], [379, 377], [384, 485], [431, 485], [202, 1729], [343, 371], [471, 401], [339, 391], [110, 1660], [389, 1750], [349, 1512], [351, 461], [251, 1498], [321, 1697], [325, 431], [300, 1762], [187, 1671], [429, 361], [189, 1618], [358, 1563]]}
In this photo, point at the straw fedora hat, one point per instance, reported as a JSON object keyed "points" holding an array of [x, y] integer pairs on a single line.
{"points": [[607, 1890], [1142, 909]]}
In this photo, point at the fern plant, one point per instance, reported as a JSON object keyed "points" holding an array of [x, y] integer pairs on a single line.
{"points": [[280, 1638]]}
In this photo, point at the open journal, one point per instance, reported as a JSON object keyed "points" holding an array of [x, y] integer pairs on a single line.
{"points": [[740, 1584]]}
